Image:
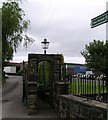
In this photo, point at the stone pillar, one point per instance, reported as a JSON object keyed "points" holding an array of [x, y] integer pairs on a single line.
{"points": [[60, 88], [32, 98], [32, 85]]}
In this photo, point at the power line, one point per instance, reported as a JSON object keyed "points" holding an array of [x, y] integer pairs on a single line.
{"points": [[49, 14]]}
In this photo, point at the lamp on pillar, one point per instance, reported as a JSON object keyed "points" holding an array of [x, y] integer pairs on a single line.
{"points": [[45, 45]]}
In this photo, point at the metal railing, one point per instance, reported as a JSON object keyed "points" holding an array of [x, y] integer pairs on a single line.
{"points": [[90, 87]]}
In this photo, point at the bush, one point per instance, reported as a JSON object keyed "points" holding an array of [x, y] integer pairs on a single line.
{"points": [[20, 72]]}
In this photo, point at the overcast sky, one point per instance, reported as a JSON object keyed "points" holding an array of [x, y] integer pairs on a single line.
{"points": [[65, 24]]}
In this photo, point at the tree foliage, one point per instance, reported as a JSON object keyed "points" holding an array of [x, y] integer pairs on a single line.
{"points": [[14, 28], [96, 55], [45, 75], [0, 23]]}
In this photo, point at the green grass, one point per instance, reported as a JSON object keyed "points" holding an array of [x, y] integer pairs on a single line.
{"points": [[85, 88]]}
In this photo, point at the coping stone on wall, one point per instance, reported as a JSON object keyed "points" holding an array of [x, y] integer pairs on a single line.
{"points": [[84, 101]]}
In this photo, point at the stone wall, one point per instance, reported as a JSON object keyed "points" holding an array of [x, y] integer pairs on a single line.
{"points": [[74, 107]]}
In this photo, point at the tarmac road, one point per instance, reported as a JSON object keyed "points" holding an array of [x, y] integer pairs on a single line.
{"points": [[12, 106], [0, 99]]}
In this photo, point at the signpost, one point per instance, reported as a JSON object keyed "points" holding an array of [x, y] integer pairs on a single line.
{"points": [[103, 18]]}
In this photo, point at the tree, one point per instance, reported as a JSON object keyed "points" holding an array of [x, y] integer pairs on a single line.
{"points": [[0, 26], [96, 55], [14, 28]]}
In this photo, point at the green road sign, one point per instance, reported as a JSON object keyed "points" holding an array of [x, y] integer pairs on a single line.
{"points": [[103, 18]]}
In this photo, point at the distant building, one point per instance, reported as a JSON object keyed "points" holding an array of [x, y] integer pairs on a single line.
{"points": [[13, 64], [74, 68]]}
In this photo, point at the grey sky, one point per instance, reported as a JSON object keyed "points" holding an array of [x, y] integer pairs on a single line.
{"points": [[66, 25]]}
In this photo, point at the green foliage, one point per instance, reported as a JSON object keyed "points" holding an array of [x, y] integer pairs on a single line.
{"points": [[96, 55], [0, 43], [0, 23], [45, 74], [14, 28], [62, 60], [20, 72]]}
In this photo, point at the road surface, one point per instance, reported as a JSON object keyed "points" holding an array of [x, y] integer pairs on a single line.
{"points": [[12, 106], [0, 99]]}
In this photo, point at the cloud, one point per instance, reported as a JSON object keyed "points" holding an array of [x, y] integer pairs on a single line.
{"points": [[66, 25]]}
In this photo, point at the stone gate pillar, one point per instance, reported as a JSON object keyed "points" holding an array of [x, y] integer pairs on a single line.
{"points": [[32, 84]]}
